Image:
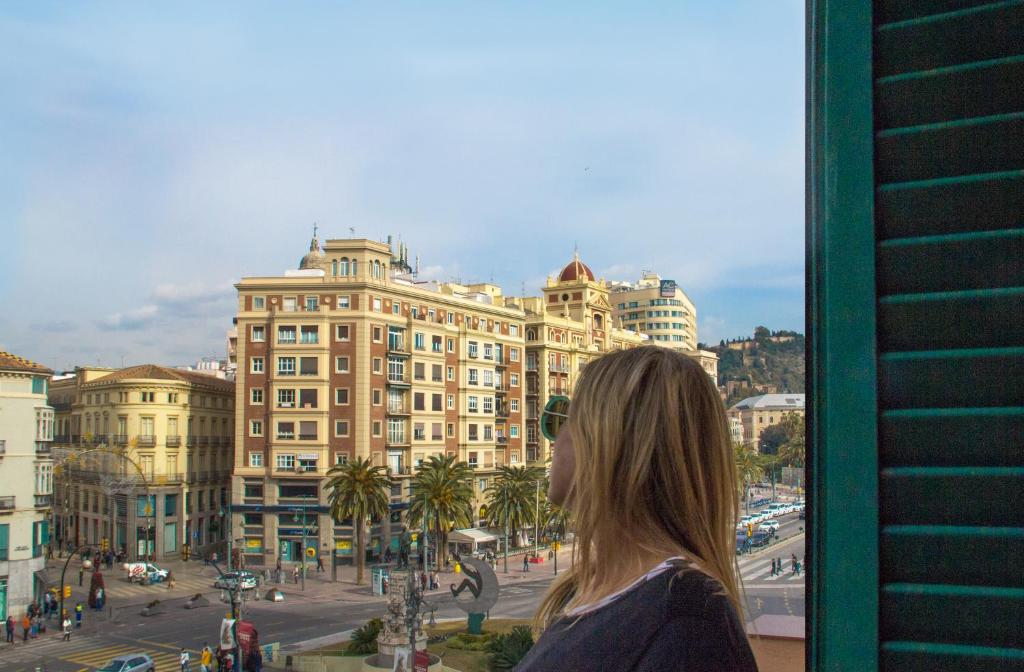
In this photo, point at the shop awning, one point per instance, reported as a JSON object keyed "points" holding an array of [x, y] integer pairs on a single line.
{"points": [[472, 535]]}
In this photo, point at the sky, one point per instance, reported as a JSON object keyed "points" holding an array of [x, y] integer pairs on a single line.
{"points": [[152, 155]]}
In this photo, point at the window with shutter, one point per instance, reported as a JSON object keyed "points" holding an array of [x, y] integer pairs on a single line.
{"points": [[916, 333]]}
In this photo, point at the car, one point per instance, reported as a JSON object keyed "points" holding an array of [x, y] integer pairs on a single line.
{"points": [[803, 515], [133, 662], [137, 571], [772, 525], [240, 578], [760, 538]]}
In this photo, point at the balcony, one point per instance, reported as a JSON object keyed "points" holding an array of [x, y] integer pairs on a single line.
{"points": [[203, 441], [419, 436], [397, 442], [173, 441], [43, 501], [558, 391], [400, 470], [559, 368], [202, 476], [167, 479], [398, 409], [146, 440], [398, 381], [531, 391], [501, 411], [397, 347], [502, 440], [43, 449], [7, 503], [192, 440], [75, 439], [501, 362], [120, 439], [307, 437], [61, 438], [531, 366]]}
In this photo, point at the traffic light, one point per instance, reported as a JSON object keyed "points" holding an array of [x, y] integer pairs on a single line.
{"points": [[67, 591], [750, 529]]}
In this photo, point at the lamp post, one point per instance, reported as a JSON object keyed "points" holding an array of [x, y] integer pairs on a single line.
{"points": [[505, 493], [235, 598], [86, 564], [227, 530], [536, 526]]}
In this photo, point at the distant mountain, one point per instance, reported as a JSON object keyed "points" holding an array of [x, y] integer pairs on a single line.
{"points": [[770, 362]]}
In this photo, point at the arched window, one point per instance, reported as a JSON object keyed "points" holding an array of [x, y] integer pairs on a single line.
{"points": [[343, 266], [355, 267], [597, 321], [334, 267], [376, 268]]}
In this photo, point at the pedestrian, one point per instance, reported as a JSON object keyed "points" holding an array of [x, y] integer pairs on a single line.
{"points": [[792, 563], [220, 659], [384, 586], [81, 575], [295, 573], [66, 624], [101, 599], [33, 631], [436, 581], [9, 629], [206, 658], [423, 581], [526, 562], [170, 580], [183, 659], [257, 662], [773, 567], [213, 557], [26, 626], [319, 563], [643, 420], [78, 615]]}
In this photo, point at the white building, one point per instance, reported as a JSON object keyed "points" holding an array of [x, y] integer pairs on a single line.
{"points": [[26, 482]]}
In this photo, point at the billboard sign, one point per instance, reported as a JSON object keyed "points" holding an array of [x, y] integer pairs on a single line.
{"points": [[668, 289]]}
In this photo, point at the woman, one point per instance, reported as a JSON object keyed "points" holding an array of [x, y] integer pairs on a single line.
{"points": [[643, 461]]}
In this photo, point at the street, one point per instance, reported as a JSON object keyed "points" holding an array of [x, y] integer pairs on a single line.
{"points": [[336, 609]]}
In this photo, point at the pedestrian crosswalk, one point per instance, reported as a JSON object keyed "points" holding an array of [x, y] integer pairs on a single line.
{"points": [[757, 572], [92, 652], [189, 584]]}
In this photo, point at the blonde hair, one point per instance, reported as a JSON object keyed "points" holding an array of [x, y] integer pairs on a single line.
{"points": [[654, 465]]}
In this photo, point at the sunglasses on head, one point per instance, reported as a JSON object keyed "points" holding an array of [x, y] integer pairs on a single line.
{"points": [[554, 417]]}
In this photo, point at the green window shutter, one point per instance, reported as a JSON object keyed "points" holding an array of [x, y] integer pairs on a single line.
{"points": [[5, 541], [949, 217], [947, 277]]}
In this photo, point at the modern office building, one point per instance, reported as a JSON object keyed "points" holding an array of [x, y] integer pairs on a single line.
{"points": [[661, 309], [350, 356], [26, 475], [143, 430]]}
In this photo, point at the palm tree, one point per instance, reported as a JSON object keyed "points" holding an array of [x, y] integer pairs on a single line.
{"points": [[511, 500], [556, 518], [794, 452], [748, 468], [442, 490], [359, 490]]}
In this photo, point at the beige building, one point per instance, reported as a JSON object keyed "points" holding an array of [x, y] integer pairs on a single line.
{"points": [[662, 311], [350, 356], [26, 475], [755, 414], [123, 433], [566, 327]]}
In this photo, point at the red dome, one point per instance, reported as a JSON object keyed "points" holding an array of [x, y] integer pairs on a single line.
{"points": [[575, 271]]}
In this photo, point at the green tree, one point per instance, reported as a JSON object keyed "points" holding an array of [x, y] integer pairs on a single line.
{"points": [[556, 518], [511, 499], [748, 468], [793, 451], [359, 490], [772, 437], [442, 490]]}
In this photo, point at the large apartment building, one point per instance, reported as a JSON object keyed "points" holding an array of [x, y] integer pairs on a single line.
{"points": [[566, 327], [26, 472], [349, 356], [123, 434], [663, 311], [753, 415]]}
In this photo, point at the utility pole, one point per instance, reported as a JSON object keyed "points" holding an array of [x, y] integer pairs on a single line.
{"points": [[506, 527], [536, 527], [304, 548], [426, 540]]}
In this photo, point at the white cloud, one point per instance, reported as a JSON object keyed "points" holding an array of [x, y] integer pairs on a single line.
{"points": [[132, 320], [191, 292]]}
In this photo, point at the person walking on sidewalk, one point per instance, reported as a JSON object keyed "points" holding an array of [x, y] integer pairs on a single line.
{"points": [[526, 562], [184, 659], [26, 625], [206, 658], [78, 615], [295, 574], [66, 624], [9, 629], [81, 575], [319, 563]]}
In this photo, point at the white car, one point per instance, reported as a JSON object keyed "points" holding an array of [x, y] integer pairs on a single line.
{"points": [[772, 525]]}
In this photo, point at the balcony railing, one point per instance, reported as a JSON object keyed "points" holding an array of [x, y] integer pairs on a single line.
{"points": [[173, 441], [203, 441], [61, 438], [120, 439], [146, 440], [75, 438], [436, 437], [398, 409], [43, 500], [307, 437], [531, 366], [202, 476], [398, 441], [192, 440], [397, 347], [398, 380], [43, 449], [419, 436], [400, 470], [7, 503], [502, 440], [164, 479]]}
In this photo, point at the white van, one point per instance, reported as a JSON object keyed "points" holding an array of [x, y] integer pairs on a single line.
{"points": [[139, 570]]}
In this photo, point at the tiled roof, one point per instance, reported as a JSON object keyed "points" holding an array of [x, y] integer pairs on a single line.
{"points": [[770, 401], [157, 372], [9, 362]]}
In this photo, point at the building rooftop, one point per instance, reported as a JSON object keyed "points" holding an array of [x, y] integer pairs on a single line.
{"points": [[575, 270], [770, 402], [11, 362], [157, 372]]}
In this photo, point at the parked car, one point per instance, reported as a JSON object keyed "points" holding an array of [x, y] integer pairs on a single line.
{"points": [[760, 538], [772, 525], [137, 571], [243, 578], [134, 662]]}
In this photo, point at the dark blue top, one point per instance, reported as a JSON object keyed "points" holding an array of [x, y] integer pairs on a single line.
{"points": [[674, 621]]}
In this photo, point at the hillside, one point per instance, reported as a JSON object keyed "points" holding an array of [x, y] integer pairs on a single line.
{"points": [[768, 362]]}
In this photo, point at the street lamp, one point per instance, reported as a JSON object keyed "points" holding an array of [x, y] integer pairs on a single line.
{"points": [[235, 597], [86, 564]]}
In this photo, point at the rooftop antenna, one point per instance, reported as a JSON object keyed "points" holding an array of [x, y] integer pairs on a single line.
{"points": [[315, 227], [352, 231]]}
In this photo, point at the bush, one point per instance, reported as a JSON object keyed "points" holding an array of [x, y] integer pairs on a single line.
{"points": [[506, 650], [364, 639], [467, 642]]}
